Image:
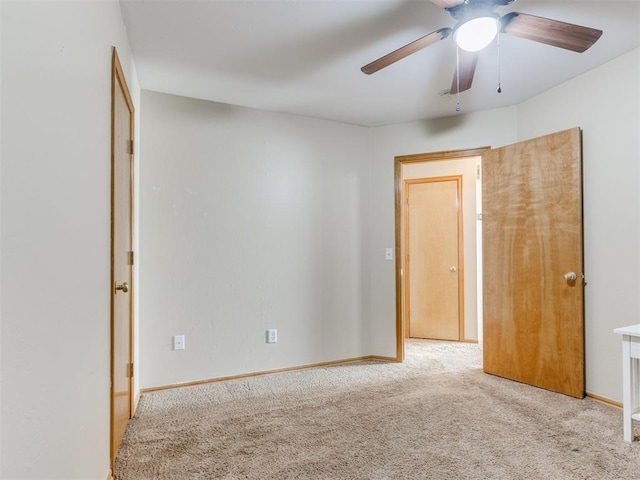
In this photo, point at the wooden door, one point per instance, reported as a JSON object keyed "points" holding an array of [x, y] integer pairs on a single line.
{"points": [[121, 257], [434, 258], [532, 243]]}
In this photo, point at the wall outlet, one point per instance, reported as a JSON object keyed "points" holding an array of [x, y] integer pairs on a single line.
{"points": [[178, 342], [272, 335]]}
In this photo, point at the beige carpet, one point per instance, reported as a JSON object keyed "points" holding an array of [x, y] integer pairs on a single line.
{"points": [[436, 416]]}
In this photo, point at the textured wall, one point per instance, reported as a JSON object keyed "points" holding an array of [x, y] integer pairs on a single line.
{"points": [[55, 224], [249, 220]]}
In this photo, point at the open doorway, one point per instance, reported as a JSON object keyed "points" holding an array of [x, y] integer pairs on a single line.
{"points": [[456, 175]]}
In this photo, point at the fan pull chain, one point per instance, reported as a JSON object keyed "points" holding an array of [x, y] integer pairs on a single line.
{"points": [[458, 108], [499, 63]]}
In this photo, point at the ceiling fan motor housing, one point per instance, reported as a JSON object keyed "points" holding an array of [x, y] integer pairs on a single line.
{"points": [[476, 8]]}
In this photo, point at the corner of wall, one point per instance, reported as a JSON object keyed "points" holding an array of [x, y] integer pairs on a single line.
{"points": [[1, 92], [367, 327]]}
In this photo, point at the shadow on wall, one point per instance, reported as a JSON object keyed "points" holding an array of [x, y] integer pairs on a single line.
{"points": [[446, 124]]}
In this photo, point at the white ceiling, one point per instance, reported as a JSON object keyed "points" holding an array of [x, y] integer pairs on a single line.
{"points": [[304, 56]]}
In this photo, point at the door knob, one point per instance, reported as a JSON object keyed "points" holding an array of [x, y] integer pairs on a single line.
{"points": [[453, 268], [124, 287], [570, 277]]}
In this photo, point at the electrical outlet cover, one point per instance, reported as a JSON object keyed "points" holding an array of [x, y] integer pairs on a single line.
{"points": [[272, 335]]}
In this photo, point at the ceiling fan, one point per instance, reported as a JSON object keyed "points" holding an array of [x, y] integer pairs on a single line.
{"points": [[477, 26]]}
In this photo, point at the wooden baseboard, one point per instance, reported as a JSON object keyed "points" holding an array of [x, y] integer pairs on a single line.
{"points": [[464, 340], [605, 400], [266, 372], [110, 475], [380, 358], [136, 401]]}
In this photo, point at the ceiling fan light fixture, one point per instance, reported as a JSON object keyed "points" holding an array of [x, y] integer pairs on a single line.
{"points": [[477, 33]]}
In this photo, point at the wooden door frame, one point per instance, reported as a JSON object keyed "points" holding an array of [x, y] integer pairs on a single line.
{"points": [[399, 162], [405, 246], [118, 79]]}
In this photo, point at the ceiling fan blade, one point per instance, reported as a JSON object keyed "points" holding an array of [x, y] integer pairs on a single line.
{"points": [[467, 67], [551, 32], [447, 3], [408, 49]]}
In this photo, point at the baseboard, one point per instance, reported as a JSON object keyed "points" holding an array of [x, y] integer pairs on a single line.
{"points": [[110, 475], [464, 340], [136, 401], [266, 372], [380, 358], [605, 400]]}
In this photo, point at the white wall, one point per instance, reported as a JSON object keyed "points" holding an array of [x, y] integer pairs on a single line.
{"points": [[249, 220], [55, 235], [1, 90], [605, 102]]}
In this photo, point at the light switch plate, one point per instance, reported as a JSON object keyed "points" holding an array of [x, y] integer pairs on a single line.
{"points": [[388, 253], [178, 342]]}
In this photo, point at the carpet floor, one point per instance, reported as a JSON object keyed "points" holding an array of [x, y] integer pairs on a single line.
{"points": [[435, 416]]}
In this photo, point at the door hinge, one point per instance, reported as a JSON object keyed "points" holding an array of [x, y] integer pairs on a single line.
{"points": [[130, 370], [478, 172], [130, 147], [129, 258]]}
